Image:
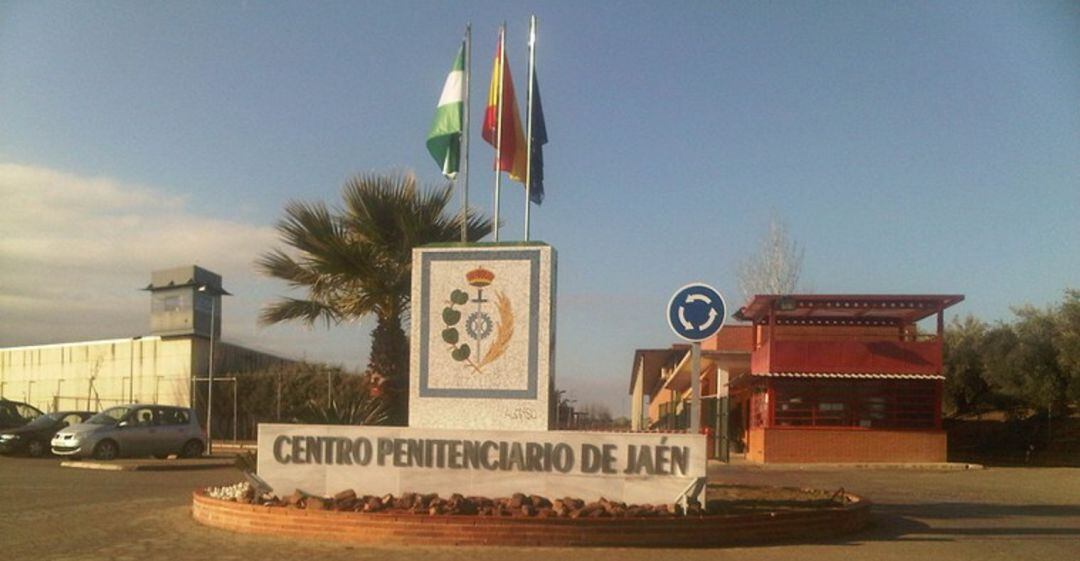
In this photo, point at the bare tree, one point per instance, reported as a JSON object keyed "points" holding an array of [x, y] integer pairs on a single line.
{"points": [[775, 267]]}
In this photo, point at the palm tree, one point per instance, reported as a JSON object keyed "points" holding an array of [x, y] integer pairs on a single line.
{"points": [[356, 261]]}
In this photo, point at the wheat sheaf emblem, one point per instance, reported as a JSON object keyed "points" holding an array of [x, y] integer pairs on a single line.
{"points": [[478, 323]]}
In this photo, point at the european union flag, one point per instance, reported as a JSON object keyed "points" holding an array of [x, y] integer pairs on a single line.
{"points": [[539, 138]]}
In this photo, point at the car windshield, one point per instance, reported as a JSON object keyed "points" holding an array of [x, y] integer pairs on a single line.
{"points": [[109, 416], [46, 420]]}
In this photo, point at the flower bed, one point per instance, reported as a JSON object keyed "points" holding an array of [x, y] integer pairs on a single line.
{"points": [[534, 521]]}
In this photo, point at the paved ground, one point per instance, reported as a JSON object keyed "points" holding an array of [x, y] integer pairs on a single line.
{"points": [[60, 514]]}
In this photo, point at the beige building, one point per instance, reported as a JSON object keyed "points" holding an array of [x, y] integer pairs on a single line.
{"points": [[157, 368]]}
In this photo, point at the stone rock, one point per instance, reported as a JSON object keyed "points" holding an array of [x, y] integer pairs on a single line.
{"points": [[345, 500], [316, 503], [540, 502], [573, 503], [345, 495], [373, 504], [406, 501]]}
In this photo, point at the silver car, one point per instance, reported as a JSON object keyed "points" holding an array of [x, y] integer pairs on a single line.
{"points": [[133, 430]]}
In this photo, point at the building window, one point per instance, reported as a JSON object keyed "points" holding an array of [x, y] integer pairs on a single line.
{"points": [[169, 303], [871, 404]]}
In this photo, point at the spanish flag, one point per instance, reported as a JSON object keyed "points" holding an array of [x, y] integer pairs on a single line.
{"points": [[511, 154]]}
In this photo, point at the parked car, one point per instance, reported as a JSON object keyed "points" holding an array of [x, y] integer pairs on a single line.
{"points": [[33, 437], [16, 414], [132, 431]]}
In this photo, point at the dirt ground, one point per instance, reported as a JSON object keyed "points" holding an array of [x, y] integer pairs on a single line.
{"points": [[60, 514]]}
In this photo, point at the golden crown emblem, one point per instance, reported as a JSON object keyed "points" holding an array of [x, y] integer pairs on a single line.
{"points": [[479, 277]]}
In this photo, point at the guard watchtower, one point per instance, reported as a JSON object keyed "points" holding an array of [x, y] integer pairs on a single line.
{"points": [[183, 300]]}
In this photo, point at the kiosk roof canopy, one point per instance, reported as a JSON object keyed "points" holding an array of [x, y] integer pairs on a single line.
{"points": [[907, 308]]}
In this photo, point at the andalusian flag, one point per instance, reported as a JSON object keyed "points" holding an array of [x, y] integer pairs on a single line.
{"points": [[511, 154], [444, 140]]}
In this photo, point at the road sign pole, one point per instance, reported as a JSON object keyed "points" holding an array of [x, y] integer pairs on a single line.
{"points": [[695, 388], [725, 440], [695, 313]]}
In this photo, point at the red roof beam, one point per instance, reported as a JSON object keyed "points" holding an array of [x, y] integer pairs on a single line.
{"points": [[901, 307]]}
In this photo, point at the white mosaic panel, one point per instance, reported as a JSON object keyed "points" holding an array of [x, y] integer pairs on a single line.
{"points": [[482, 337]]}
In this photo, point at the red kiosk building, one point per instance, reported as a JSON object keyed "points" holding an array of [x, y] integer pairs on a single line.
{"points": [[842, 378], [812, 378]]}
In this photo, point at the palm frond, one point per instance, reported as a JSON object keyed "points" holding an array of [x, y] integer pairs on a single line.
{"points": [[308, 311], [357, 260], [276, 263]]}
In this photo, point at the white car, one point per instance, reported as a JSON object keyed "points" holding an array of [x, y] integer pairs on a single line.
{"points": [[132, 431]]}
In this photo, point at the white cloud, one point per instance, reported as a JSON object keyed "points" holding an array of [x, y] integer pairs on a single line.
{"points": [[74, 250]]}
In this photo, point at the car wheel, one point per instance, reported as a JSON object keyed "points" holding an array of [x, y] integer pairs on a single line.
{"points": [[36, 448], [191, 449], [106, 450]]}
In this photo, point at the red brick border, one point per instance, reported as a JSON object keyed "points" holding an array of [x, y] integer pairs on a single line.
{"points": [[422, 529]]}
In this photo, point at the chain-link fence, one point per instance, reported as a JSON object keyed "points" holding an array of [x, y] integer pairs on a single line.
{"points": [[282, 393]]}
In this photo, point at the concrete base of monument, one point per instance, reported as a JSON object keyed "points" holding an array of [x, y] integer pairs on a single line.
{"points": [[749, 521]]}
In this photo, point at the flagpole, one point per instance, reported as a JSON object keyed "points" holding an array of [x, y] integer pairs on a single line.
{"points": [[498, 125], [529, 133], [465, 137]]}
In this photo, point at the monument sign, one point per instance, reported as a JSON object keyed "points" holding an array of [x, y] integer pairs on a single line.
{"points": [[481, 384], [483, 332], [634, 468]]}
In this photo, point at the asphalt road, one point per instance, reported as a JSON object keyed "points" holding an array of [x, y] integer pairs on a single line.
{"points": [[58, 513]]}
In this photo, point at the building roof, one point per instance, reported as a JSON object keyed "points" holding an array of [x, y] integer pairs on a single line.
{"points": [[748, 377], [680, 379], [733, 342], [181, 277], [854, 375], [654, 360], [146, 338], [861, 308]]}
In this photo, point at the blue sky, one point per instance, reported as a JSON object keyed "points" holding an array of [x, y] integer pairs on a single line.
{"points": [[910, 147]]}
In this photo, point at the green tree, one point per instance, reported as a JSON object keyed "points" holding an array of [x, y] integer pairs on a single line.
{"points": [[1067, 341], [966, 388], [356, 260], [1022, 360]]}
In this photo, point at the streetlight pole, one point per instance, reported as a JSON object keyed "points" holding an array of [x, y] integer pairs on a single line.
{"points": [[210, 291]]}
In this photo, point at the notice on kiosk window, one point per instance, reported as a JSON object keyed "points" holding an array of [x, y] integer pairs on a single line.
{"points": [[631, 467]]}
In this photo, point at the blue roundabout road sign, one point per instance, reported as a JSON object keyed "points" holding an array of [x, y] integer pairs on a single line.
{"points": [[696, 312]]}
